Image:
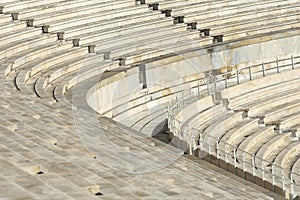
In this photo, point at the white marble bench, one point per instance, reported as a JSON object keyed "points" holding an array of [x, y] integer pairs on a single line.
{"points": [[11, 26], [272, 147], [257, 109], [152, 44], [29, 56], [55, 8], [253, 142], [22, 45], [124, 22], [21, 5], [235, 135], [233, 13], [147, 121], [277, 113], [67, 21], [244, 92], [180, 10], [163, 5], [288, 122], [56, 59], [4, 19], [7, 38], [241, 24], [210, 17], [90, 72], [24, 69], [110, 10], [101, 37], [288, 156], [287, 26]]}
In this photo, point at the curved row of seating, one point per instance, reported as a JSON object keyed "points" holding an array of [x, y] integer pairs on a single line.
{"points": [[259, 118], [101, 36], [233, 21], [123, 16]]}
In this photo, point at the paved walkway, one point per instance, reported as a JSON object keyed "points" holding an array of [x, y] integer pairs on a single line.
{"points": [[42, 157]]}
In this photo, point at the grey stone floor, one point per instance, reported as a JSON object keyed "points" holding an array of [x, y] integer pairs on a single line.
{"points": [[43, 135]]}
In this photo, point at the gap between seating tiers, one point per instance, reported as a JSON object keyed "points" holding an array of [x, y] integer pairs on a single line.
{"points": [[147, 121], [77, 96], [149, 124], [142, 104]]}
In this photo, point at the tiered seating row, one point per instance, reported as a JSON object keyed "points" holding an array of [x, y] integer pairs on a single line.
{"points": [[245, 131], [233, 21]]}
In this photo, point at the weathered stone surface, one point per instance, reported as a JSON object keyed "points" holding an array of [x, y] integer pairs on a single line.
{"points": [[53, 145]]}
